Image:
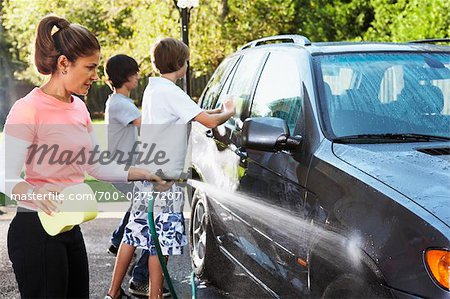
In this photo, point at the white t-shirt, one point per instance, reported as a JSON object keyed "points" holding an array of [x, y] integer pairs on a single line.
{"points": [[166, 115]]}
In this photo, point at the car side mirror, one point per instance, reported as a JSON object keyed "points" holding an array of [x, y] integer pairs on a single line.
{"points": [[268, 134]]}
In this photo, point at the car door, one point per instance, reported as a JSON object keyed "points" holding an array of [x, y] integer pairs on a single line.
{"points": [[213, 152], [271, 222]]}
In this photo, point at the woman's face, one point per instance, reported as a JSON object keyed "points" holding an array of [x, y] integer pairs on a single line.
{"points": [[81, 74]]}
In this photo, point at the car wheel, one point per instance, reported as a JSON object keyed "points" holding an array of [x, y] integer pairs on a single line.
{"points": [[350, 286], [208, 262], [203, 246]]}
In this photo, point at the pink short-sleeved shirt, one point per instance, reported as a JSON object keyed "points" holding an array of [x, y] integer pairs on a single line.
{"points": [[62, 128]]}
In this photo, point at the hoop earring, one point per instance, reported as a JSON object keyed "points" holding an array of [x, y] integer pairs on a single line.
{"points": [[64, 72]]}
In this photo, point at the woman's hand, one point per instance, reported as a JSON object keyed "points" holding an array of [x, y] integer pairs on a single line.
{"points": [[44, 198]]}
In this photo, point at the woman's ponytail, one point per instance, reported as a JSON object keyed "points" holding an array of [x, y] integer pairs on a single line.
{"points": [[70, 40]]}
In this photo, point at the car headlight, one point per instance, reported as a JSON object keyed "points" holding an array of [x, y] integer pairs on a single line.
{"points": [[438, 263]]}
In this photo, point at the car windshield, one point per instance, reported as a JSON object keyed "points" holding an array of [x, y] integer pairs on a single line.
{"points": [[385, 94]]}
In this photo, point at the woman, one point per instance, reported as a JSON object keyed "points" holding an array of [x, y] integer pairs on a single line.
{"points": [[51, 118]]}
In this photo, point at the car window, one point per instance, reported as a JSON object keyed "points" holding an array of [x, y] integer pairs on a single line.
{"points": [[278, 93], [216, 82], [240, 86], [387, 93], [393, 86], [339, 80]]}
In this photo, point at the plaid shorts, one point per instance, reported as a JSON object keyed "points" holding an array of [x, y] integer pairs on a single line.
{"points": [[168, 216]]}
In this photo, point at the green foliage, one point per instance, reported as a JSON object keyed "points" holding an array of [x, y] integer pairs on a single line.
{"points": [[248, 20], [323, 20], [405, 20], [152, 20], [2, 199], [219, 27], [107, 19], [207, 41]]}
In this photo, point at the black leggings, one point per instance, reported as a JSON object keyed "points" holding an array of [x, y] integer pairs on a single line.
{"points": [[46, 266]]}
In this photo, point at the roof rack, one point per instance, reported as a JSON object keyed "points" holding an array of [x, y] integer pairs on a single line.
{"points": [[290, 38], [431, 41]]}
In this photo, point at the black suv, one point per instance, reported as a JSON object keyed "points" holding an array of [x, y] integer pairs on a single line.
{"points": [[333, 177]]}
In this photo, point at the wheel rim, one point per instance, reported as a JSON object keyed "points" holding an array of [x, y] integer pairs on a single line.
{"points": [[199, 232]]}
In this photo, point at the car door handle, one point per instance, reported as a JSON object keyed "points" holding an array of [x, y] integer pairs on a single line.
{"points": [[209, 133]]}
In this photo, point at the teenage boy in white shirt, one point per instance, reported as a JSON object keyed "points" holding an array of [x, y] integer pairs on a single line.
{"points": [[167, 112]]}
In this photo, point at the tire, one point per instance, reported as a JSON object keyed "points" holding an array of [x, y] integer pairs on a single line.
{"points": [[203, 246], [342, 280], [351, 286]]}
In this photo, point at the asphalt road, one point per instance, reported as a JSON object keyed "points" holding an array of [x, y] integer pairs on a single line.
{"points": [[96, 234]]}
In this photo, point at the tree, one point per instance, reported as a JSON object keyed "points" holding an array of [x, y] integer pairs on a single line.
{"points": [[323, 20], [405, 20], [119, 27], [252, 19], [217, 28], [107, 19], [7, 82], [220, 26]]}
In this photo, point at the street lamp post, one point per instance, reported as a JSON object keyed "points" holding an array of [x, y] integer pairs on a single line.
{"points": [[185, 7]]}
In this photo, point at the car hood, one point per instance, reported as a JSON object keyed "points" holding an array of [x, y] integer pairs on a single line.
{"points": [[422, 177]]}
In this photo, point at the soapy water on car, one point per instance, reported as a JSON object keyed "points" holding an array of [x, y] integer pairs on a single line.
{"points": [[277, 223]]}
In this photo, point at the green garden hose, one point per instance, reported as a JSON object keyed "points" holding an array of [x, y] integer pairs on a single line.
{"points": [[162, 261], [193, 288]]}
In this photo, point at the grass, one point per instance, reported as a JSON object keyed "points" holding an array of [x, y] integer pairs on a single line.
{"points": [[98, 121]]}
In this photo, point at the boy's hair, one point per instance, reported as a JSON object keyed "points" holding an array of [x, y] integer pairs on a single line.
{"points": [[70, 40], [168, 55], [119, 68]]}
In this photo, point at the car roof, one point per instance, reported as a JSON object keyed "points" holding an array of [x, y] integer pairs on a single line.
{"points": [[299, 41], [351, 47]]}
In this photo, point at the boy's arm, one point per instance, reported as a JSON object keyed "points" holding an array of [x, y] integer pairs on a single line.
{"points": [[136, 122], [218, 117]]}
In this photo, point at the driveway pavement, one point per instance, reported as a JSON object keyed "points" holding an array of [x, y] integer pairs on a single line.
{"points": [[97, 234]]}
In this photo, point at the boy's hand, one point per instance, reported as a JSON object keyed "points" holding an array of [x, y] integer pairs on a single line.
{"points": [[228, 106], [139, 174]]}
